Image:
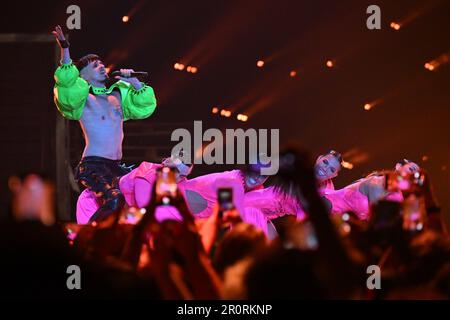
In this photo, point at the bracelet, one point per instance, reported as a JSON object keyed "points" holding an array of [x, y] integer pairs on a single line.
{"points": [[64, 44]]}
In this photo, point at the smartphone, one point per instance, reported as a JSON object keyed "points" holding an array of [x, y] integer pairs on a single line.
{"points": [[166, 186], [225, 199]]}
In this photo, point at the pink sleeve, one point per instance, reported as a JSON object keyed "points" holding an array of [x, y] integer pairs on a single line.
{"points": [[349, 200], [255, 217]]}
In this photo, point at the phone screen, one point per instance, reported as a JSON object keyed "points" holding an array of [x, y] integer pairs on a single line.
{"points": [[166, 185], [225, 198]]}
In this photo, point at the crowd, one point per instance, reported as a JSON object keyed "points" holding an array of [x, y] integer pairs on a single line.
{"points": [[318, 254]]}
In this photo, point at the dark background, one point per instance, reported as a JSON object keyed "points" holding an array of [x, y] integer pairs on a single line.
{"points": [[321, 108]]}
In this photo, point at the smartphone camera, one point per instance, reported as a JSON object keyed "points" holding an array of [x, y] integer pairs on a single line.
{"points": [[225, 198], [166, 185]]}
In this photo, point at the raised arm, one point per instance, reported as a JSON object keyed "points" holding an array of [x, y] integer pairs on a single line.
{"points": [[70, 90], [63, 44]]}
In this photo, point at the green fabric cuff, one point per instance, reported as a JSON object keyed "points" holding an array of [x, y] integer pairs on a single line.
{"points": [[65, 65], [141, 90]]}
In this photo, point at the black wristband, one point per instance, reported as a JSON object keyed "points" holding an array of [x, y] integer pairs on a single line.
{"points": [[64, 44]]}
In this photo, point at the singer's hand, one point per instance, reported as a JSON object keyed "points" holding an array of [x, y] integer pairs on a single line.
{"points": [[59, 35], [126, 77]]}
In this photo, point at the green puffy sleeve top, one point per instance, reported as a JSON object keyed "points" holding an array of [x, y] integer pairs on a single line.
{"points": [[71, 92]]}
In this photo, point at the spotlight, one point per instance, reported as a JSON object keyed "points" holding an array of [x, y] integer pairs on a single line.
{"points": [[215, 110], [293, 73], [191, 69], [242, 117], [347, 165], [225, 113], [178, 66], [367, 106], [330, 64], [395, 26], [429, 66], [425, 158], [125, 19], [260, 63]]}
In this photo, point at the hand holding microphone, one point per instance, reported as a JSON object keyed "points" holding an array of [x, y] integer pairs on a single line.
{"points": [[130, 76], [130, 73]]}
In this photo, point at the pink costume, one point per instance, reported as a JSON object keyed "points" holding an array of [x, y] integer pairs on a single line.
{"points": [[358, 196], [136, 187], [273, 204], [200, 194]]}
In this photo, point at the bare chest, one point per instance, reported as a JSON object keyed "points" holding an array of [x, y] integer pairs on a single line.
{"points": [[104, 108]]}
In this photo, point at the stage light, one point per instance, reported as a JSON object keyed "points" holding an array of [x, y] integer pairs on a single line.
{"points": [[225, 113], [367, 106], [293, 73], [178, 66], [438, 62], [347, 165], [191, 69], [330, 64], [242, 117], [429, 66], [125, 19], [107, 69], [425, 158], [395, 26], [215, 110], [260, 63]]}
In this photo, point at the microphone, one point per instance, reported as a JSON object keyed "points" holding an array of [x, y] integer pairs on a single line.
{"points": [[138, 74]]}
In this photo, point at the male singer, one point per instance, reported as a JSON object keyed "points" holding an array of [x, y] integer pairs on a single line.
{"points": [[81, 94]]}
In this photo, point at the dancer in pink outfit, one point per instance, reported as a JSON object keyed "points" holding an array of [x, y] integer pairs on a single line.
{"points": [[270, 204], [200, 193], [360, 195], [136, 187], [327, 168]]}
